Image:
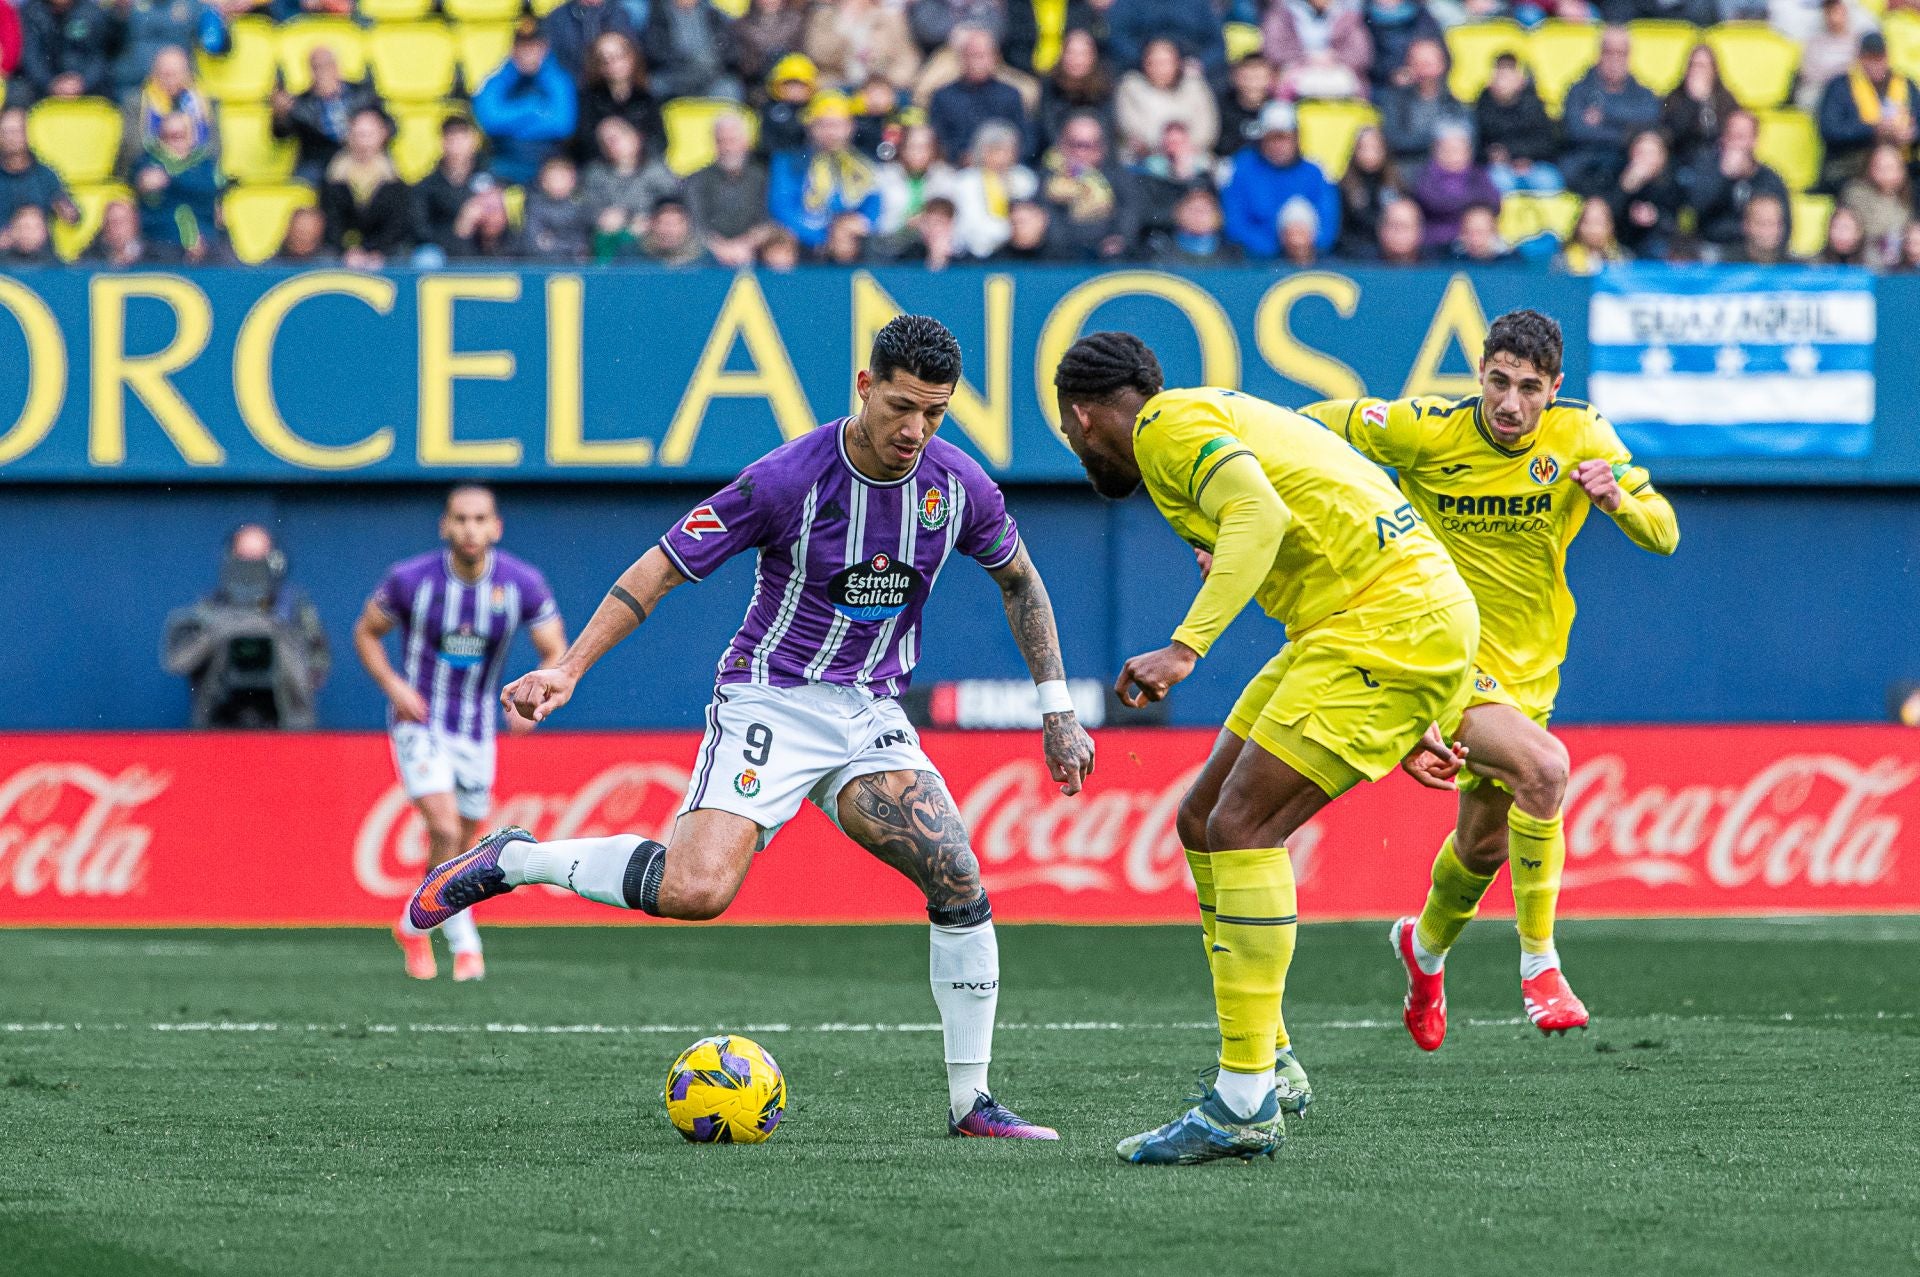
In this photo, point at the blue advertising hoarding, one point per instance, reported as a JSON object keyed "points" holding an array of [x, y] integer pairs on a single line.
{"points": [[274, 376]]}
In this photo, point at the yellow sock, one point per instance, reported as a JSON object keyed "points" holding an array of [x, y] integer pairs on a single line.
{"points": [[1253, 932], [1201, 866], [1452, 901], [1536, 853]]}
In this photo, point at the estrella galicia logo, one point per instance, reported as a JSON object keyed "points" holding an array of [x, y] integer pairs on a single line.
{"points": [[747, 783], [874, 590], [1544, 469], [1485, 682], [933, 510], [462, 649]]}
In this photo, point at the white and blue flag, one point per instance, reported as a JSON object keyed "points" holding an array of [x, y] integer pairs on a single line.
{"points": [[1700, 361]]}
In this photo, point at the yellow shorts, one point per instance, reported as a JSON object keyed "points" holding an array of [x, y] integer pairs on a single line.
{"points": [[1347, 700], [1533, 697]]}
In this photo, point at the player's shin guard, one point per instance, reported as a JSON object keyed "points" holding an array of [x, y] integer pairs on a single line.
{"points": [[1452, 901], [622, 870], [964, 968], [1536, 854], [1253, 932]]}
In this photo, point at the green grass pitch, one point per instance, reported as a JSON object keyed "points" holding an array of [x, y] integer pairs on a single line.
{"points": [[1746, 1103]]}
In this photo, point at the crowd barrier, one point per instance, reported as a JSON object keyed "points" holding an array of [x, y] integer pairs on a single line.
{"points": [[169, 829]]}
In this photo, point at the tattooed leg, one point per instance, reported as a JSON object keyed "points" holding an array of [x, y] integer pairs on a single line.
{"points": [[907, 820]]}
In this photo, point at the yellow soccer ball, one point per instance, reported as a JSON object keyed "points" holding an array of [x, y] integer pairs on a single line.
{"points": [[726, 1090]]}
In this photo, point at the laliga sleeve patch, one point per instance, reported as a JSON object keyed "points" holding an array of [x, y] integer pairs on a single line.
{"points": [[1375, 415], [702, 521]]}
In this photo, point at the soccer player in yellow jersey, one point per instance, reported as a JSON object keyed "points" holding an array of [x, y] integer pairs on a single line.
{"points": [[1381, 632], [1506, 479]]}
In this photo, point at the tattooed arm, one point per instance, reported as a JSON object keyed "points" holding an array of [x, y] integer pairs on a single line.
{"points": [[639, 589], [1069, 750]]}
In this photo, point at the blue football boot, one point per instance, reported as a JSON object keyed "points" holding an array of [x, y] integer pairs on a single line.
{"points": [[1209, 1132]]}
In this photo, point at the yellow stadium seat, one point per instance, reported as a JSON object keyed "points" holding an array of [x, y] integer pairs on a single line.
{"points": [[1811, 213], [541, 8], [1757, 63], [249, 152], [300, 37], [515, 199], [483, 10], [1789, 144], [481, 47], [416, 138], [1560, 53], [412, 61], [1473, 46], [1327, 130], [1524, 215], [1902, 29], [257, 218], [78, 138], [689, 125], [1659, 53], [1242, 39], [733, 8], [69, 241], [377, 11], [246, 73]]}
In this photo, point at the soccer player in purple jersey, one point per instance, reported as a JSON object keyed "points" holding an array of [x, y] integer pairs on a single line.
{"points": [[853, 524], [456, 610]]}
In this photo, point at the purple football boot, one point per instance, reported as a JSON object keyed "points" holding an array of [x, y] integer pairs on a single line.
{"points": [[464, 881], [992, 1120]]}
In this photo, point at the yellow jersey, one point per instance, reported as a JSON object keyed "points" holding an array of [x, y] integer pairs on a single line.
{"points": [[1294, 518], [1507, 515]]}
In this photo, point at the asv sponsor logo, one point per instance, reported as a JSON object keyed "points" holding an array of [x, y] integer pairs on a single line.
{"points": [[69, 828], [1810, 820], [1114, 839], [390, 850]]}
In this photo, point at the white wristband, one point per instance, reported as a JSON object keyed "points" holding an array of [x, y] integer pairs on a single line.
{"points": [[1054, 697]]}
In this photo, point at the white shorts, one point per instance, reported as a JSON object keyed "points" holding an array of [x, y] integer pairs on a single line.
{"points": [[432, 762], [768, 749]]}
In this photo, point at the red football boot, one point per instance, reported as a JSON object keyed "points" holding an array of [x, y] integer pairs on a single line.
{"points": [[1426, 1005], [468, 966], [1551, 1003]]}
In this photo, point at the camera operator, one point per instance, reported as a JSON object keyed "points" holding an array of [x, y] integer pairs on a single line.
{"points": [[253, 649]]}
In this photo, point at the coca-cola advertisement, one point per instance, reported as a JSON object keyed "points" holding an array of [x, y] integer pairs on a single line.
{"points": [[173, 829]]}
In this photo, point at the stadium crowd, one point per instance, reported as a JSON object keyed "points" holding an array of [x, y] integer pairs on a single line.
{"points": [[943, 132]]}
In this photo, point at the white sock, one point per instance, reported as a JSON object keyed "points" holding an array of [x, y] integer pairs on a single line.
{"points": [[964, 965], [1243, 1093], [462, 933], [1426, 959], [592, 867], [1532, 964]]}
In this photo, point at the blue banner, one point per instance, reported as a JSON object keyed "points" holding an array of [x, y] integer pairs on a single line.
{"points": [[1755, 362], [270, 376]]}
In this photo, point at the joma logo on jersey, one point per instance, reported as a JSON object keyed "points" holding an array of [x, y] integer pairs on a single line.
{"points": [[1505, 507], [1544, 469], [933, 510], [1391, 527], [702, 521]]}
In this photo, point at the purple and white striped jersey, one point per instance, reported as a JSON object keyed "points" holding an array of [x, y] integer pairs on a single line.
{"points": [[454, 636], [846, 562]]}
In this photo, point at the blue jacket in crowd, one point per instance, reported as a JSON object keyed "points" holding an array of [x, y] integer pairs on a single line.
{"points": [[1259, 189], [527, 117]]}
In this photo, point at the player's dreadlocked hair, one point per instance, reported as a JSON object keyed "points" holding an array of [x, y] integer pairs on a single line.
{"points": [[1528, 335], [1100, 365], [917, 345]]}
